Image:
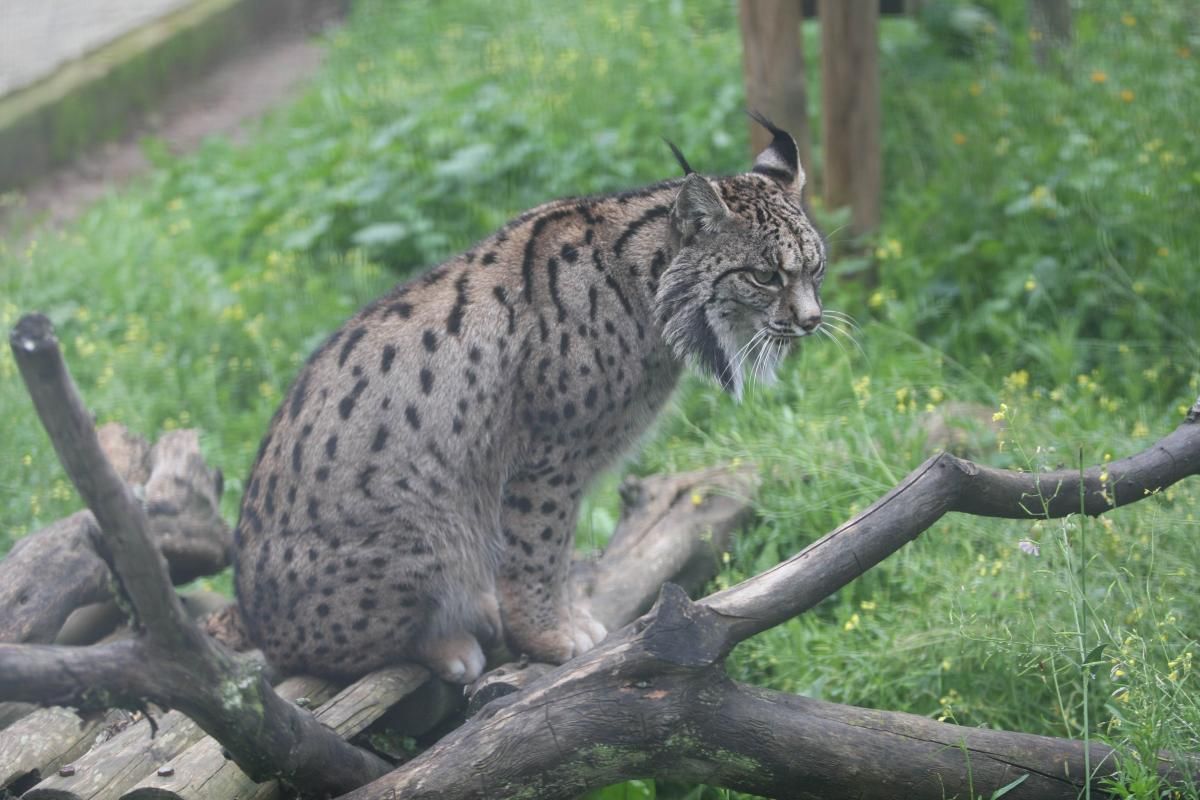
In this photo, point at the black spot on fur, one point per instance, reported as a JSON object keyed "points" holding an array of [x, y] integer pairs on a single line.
{"points": [[429, 340], [385, 360], [414, 419], [346, 405], [351, 342], [299, 395], [455, 318], [380, 440], [426, 381]]}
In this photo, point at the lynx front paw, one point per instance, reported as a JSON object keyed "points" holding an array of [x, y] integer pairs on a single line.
{"points": [[576, 633], [585, 631]]}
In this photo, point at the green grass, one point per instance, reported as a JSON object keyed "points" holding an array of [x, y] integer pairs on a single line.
{"points": [[1037, 252]]}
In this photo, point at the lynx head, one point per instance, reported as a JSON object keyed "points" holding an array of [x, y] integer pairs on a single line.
{"points": [[744, 283]]}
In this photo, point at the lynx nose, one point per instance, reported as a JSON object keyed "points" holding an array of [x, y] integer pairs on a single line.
{"points": [[810, 323]]}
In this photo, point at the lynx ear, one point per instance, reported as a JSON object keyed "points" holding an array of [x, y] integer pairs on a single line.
{"points": [[781, 160], [697, 207]]}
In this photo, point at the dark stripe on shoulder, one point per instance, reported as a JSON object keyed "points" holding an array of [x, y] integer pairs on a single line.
{"points": [[552, 277], [531, 247], [454, 320], [616, 287], [351, 342], [502, 296], [631, 230], [299, 394]]}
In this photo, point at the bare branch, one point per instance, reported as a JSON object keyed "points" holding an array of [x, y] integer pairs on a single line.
{"points": [[946, 483]]}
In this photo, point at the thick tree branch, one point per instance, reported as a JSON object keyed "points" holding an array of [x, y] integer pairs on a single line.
{"points": [[654, 701], [181, 667], [946, 483]]}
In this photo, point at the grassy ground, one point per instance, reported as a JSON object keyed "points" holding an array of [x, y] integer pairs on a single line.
{"points": [[1036, 266]]}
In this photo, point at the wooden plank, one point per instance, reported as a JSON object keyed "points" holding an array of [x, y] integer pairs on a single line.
{"points": [[48, 739], [203, 771]]}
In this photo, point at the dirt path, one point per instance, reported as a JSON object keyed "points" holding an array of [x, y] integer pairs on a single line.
{"points": [[225, 103]]}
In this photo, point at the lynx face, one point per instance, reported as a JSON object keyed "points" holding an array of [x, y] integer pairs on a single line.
{"points": [[745, 282]]}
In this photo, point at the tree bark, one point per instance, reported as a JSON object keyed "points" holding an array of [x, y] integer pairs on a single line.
{"points": [[850, 110], [1050, 28], [773, 70], [49, 738], [56, 570], [172, 663]]}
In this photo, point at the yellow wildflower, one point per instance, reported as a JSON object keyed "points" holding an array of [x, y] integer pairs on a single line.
{"points": [[1099, 76]]}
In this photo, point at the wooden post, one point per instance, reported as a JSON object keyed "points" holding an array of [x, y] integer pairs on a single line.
{"points": [[850, 118], [773, 67], [1049, 27]]}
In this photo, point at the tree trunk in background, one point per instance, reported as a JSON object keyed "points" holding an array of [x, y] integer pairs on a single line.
{"points": [[773, 65], [850, 116], [1049, 27]]}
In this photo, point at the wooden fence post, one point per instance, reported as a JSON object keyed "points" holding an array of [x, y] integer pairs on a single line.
{"points": [[773, 66], [851, 115]]}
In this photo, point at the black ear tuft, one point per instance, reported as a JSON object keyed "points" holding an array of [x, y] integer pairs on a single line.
{"points": [[687, 168], [781, 160]]}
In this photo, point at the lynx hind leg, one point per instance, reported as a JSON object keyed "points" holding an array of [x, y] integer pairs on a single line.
{"points": [[539, 619], [454, 657], [453, 646]]}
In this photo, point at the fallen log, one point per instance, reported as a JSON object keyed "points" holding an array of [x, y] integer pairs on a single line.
{"points": [[54, 571]]}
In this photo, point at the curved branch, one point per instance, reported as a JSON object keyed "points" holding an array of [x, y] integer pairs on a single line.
{"points": [[942, 484]]}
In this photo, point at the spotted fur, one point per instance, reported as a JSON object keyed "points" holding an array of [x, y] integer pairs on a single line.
{"points": [[416, 494]]}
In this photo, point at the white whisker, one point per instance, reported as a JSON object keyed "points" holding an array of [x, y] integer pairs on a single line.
{"points": [[835, 329], [842, 316], [735, 364]]}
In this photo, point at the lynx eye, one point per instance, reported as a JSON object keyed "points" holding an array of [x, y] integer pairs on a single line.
{"points": [[767, 278]]}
